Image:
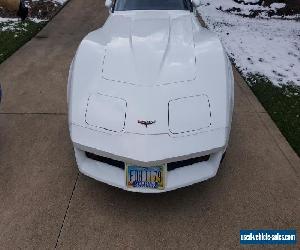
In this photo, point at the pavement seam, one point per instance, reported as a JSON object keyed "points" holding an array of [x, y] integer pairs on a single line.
{"points": [[66, 213]]}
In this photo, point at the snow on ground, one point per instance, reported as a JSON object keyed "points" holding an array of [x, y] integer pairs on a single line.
{"points": [[60, 1], [267, 46], [9, 24], [250, 10], [275, 6], [13, 24], [55, 1]]}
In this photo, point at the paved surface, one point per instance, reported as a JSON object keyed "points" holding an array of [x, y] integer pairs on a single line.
{"points": [[45, 203]]}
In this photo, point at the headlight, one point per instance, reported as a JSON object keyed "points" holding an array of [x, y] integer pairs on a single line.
{"points": [[189, 114]]}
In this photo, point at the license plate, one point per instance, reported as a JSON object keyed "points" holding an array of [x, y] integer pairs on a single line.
{"points": [[145, 177]]}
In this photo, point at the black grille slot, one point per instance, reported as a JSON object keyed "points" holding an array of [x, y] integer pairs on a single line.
{"points": [[171, 166], [180, 164], [115, 163]]}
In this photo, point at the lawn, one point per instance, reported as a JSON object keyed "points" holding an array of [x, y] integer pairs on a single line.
{"points": [[282, 104], [262, 40], [14, 34]]}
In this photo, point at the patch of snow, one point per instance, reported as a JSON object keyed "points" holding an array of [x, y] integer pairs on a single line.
{"points": [[230, 5], [270, 47], [13, 24], [4, 19], [247, 9], [251, 1], [8, 24], [55, 1], [275, 6], [60, 1], [37, 20]]}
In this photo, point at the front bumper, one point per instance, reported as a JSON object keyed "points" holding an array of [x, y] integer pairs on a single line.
{"points": [[148, 150], [181, 177]]}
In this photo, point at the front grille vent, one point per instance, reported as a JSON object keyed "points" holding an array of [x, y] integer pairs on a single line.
{"points": [[170, 166], [180, 164], [115, 163]]}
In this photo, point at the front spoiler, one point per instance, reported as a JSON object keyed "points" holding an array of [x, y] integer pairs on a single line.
{"points": [[148, 150], [175, 179]]}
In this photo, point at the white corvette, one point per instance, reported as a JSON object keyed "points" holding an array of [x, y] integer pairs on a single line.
{"points": [[150, 97]]}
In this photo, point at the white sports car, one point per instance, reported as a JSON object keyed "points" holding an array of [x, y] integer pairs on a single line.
{"points": [[150, 98]]}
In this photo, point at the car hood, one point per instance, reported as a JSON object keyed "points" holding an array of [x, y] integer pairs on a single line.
{"points": [[157, 67], [149, 48]]}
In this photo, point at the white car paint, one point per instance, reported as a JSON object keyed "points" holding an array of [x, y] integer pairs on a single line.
{"points": [[157, 66]]}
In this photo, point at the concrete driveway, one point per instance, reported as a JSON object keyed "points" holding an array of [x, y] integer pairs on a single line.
{"points": [[45, 203]]}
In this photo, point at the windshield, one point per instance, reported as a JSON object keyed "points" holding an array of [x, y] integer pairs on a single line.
{"points": [[121, 5]]}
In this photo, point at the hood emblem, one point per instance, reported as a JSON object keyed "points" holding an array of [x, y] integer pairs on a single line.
{"points": [[146, 123]]}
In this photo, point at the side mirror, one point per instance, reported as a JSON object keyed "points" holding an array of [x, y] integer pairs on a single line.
{"points": [[108, 3], [196, 3]]}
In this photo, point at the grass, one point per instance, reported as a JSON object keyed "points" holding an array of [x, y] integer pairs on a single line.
{"points": [[282, 104], [17, 34]]}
